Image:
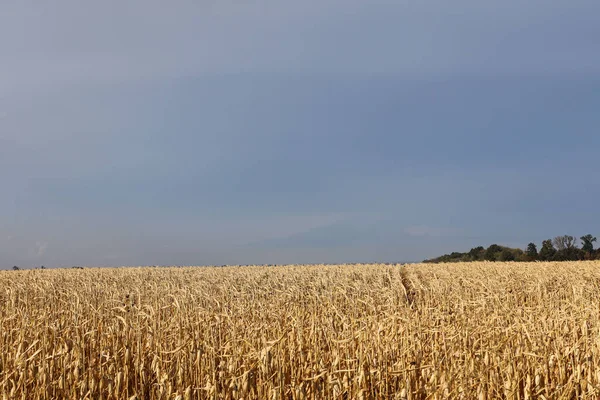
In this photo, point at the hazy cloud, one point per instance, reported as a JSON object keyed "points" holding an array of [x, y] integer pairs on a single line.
{"points": [[40, 248], [269, 131], [422, 230]]}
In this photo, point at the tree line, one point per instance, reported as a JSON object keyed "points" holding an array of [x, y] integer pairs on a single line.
{"points": [[561, 248]]}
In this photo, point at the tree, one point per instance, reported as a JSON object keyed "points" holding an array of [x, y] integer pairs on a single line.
{"points": [[505, 255], [588, 246], [547, 251], [492, 252], [564, 242], [569, 254], [532, 252], [566, 249], [15, 268], [477, 253]]}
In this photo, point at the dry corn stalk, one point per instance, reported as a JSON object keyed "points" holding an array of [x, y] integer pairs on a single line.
{"points": [[478, 330]]}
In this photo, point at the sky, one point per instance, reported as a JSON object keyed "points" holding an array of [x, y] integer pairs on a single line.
{"points": [[270, 132]]}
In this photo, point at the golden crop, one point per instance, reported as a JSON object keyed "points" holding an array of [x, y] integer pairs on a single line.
{"points": [[472, 331]]}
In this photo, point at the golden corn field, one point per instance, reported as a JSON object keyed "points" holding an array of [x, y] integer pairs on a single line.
{"points": [[472, 331]]}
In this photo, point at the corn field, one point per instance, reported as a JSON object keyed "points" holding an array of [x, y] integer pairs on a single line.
{"points": [[422, 331]]}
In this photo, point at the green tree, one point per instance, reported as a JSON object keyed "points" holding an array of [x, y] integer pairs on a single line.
{"points": [[492, 252], [588, 243], [532, 252], [505, 255], [547, 251], [569, 254], [477, 253]]}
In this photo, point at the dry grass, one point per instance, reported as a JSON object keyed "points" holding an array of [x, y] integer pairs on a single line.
{"points": [[473, 331]]}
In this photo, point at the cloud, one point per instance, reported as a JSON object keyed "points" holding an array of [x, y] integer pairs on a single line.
{"points": [[331, 36], [181, 134], [423, 230], [40, 248]]}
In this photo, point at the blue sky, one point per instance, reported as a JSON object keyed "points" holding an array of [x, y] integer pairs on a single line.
{"points": [[294, 132]]}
